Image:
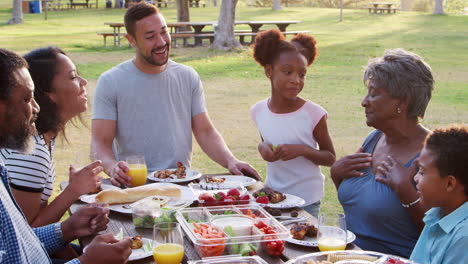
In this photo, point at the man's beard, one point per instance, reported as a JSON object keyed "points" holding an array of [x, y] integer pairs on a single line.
{"points": [[19, 138], [149, 59]]}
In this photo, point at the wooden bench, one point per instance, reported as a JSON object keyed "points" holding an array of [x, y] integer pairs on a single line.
{"points": [[184, 35], [381, 10], [110, 34], [242, 34], [82, 3]]}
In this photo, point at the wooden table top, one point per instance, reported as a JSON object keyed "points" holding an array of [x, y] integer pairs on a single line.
{"points": [[124, 221]]}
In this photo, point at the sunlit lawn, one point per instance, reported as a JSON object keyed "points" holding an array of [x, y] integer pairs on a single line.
{"points": [[233, 82]]}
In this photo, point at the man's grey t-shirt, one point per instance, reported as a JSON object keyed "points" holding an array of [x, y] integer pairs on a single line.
{"points": [[153, 112]]}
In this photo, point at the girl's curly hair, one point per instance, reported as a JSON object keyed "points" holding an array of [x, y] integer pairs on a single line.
{"points": [[270, 44]]}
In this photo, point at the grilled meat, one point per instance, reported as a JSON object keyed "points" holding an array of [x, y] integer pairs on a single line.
{"points": [[300, 230], [273, 196]]}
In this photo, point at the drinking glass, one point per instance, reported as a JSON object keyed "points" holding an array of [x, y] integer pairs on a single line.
{"points": [[331, 232], [168, 244], [138, 171]]}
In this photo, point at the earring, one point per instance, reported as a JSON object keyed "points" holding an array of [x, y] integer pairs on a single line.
{"points": [[398, 110]]}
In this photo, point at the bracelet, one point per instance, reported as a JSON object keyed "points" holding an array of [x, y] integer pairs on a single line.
{"points": [[58, 230], [412, 203]]}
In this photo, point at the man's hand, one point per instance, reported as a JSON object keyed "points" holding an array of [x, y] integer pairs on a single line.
{"points": [[349, 166], [119, 175], [107, 249], [289, 151], [86, 179], [238, 167], [395, 175], [85, 221]]}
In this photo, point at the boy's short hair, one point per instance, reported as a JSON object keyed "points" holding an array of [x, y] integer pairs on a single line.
{"points": [[136, 13], [450, 148]]}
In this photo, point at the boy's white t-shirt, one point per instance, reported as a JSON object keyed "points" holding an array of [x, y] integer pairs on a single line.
{"points": [[299, 176]]}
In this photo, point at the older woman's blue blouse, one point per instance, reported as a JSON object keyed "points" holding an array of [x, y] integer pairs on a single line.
{"points": [[374, 212]]}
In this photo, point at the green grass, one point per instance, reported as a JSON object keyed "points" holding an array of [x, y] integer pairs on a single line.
{"points": [[233, 82]]}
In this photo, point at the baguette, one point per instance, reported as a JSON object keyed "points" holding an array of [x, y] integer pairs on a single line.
{"points": [[131, 195]]}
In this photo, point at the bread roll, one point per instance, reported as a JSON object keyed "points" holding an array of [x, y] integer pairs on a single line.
{"points": [[131, 195]]}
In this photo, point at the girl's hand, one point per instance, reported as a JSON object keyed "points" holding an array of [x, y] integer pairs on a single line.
{"points": [[349, 166], [86, 179], [290, 151], [267, 153], [395, 175]]}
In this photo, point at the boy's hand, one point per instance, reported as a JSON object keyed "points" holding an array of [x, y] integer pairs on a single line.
{"points": [[290, 151], [267, 153]]}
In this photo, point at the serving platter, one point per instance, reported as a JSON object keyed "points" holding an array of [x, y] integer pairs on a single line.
{"points": [[229, 182], [187, 197], [312, 241], [291, 201], [190, 176], [347, 256]]}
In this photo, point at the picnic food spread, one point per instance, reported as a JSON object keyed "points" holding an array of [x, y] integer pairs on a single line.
{"points": [[233, 196], [270, 194], [300, 230], [179, 173], [131, 195], [213, 179], [136, 242]]}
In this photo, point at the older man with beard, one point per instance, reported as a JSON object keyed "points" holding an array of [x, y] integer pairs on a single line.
{"points": [[150, 105], [18, 242]]}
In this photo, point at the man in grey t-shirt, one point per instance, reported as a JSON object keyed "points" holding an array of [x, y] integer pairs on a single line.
{"points": [[150, 106]]}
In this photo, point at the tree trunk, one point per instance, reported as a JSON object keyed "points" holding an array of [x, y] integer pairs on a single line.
{"points": [[183, 14], [117, 3], [224, 32], [439, 7], [214, 2], [277, 5], [17, 13]]}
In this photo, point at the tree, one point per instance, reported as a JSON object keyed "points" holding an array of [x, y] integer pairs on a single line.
{"points": [[224, 32], [116, 3], [183, 14], [439, 7], [17, 13], [277, 5]]}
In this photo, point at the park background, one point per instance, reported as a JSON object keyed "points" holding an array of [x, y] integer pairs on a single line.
{"points": [[233, 82]]}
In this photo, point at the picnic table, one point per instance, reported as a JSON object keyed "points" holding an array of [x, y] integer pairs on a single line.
{"points": [[381, 7], [120, 221]]}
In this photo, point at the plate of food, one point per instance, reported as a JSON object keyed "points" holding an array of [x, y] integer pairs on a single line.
{"points": [[225, 181], [101, 188], [305, 234], [175, 175], [274, 199], [348, 257], [121, 200], [141, 247]]}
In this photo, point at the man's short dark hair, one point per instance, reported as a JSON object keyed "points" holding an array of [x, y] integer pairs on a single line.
{"points": [[138, 12], [10, 62], [450, 147]]}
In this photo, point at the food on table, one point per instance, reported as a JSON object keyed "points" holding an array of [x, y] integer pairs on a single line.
{"points": [[211, 238], [179, 173], [168, 253], [239, 225], [273, 196], [262, 198], [273, 211], [232, 197], [244, 249], [134, 194], [334, 257], [213, 179], [273, 248], [393, 261], [294, 213], [136, 242], [148, 212], [300, 230], [319, 262]]}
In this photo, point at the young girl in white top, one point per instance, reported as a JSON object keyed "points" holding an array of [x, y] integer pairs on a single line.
{"points": [[295, 138]]}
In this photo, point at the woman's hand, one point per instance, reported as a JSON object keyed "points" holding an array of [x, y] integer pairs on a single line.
{"points": [[267, 153], [395, 175], [86, 179], [349, 166]]}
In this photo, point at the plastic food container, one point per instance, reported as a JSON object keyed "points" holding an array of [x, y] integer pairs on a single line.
{"points": [[232, 229], [230, 260], [349, 257], [220, 197], [152, 210]]}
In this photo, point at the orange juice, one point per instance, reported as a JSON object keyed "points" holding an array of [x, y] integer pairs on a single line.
{"points": [[168, 253], [138, 173], [331, 243]]}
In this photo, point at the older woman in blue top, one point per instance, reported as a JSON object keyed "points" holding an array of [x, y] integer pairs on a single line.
{"points": [[384, 209]]}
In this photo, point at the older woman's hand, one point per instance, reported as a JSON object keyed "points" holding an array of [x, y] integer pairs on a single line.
{"points": [[349, 166], [395, 175]]}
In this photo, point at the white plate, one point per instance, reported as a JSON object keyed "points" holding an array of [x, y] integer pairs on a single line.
{"points": [[230, 181], [312, 241], [137, 253], [103, 188], [187, 197], [290, 202], [190, 176], [320, 256]]}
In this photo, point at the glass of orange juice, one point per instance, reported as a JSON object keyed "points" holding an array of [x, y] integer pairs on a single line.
{"points": [[138, 171], [332, 232], [168, 244]]}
